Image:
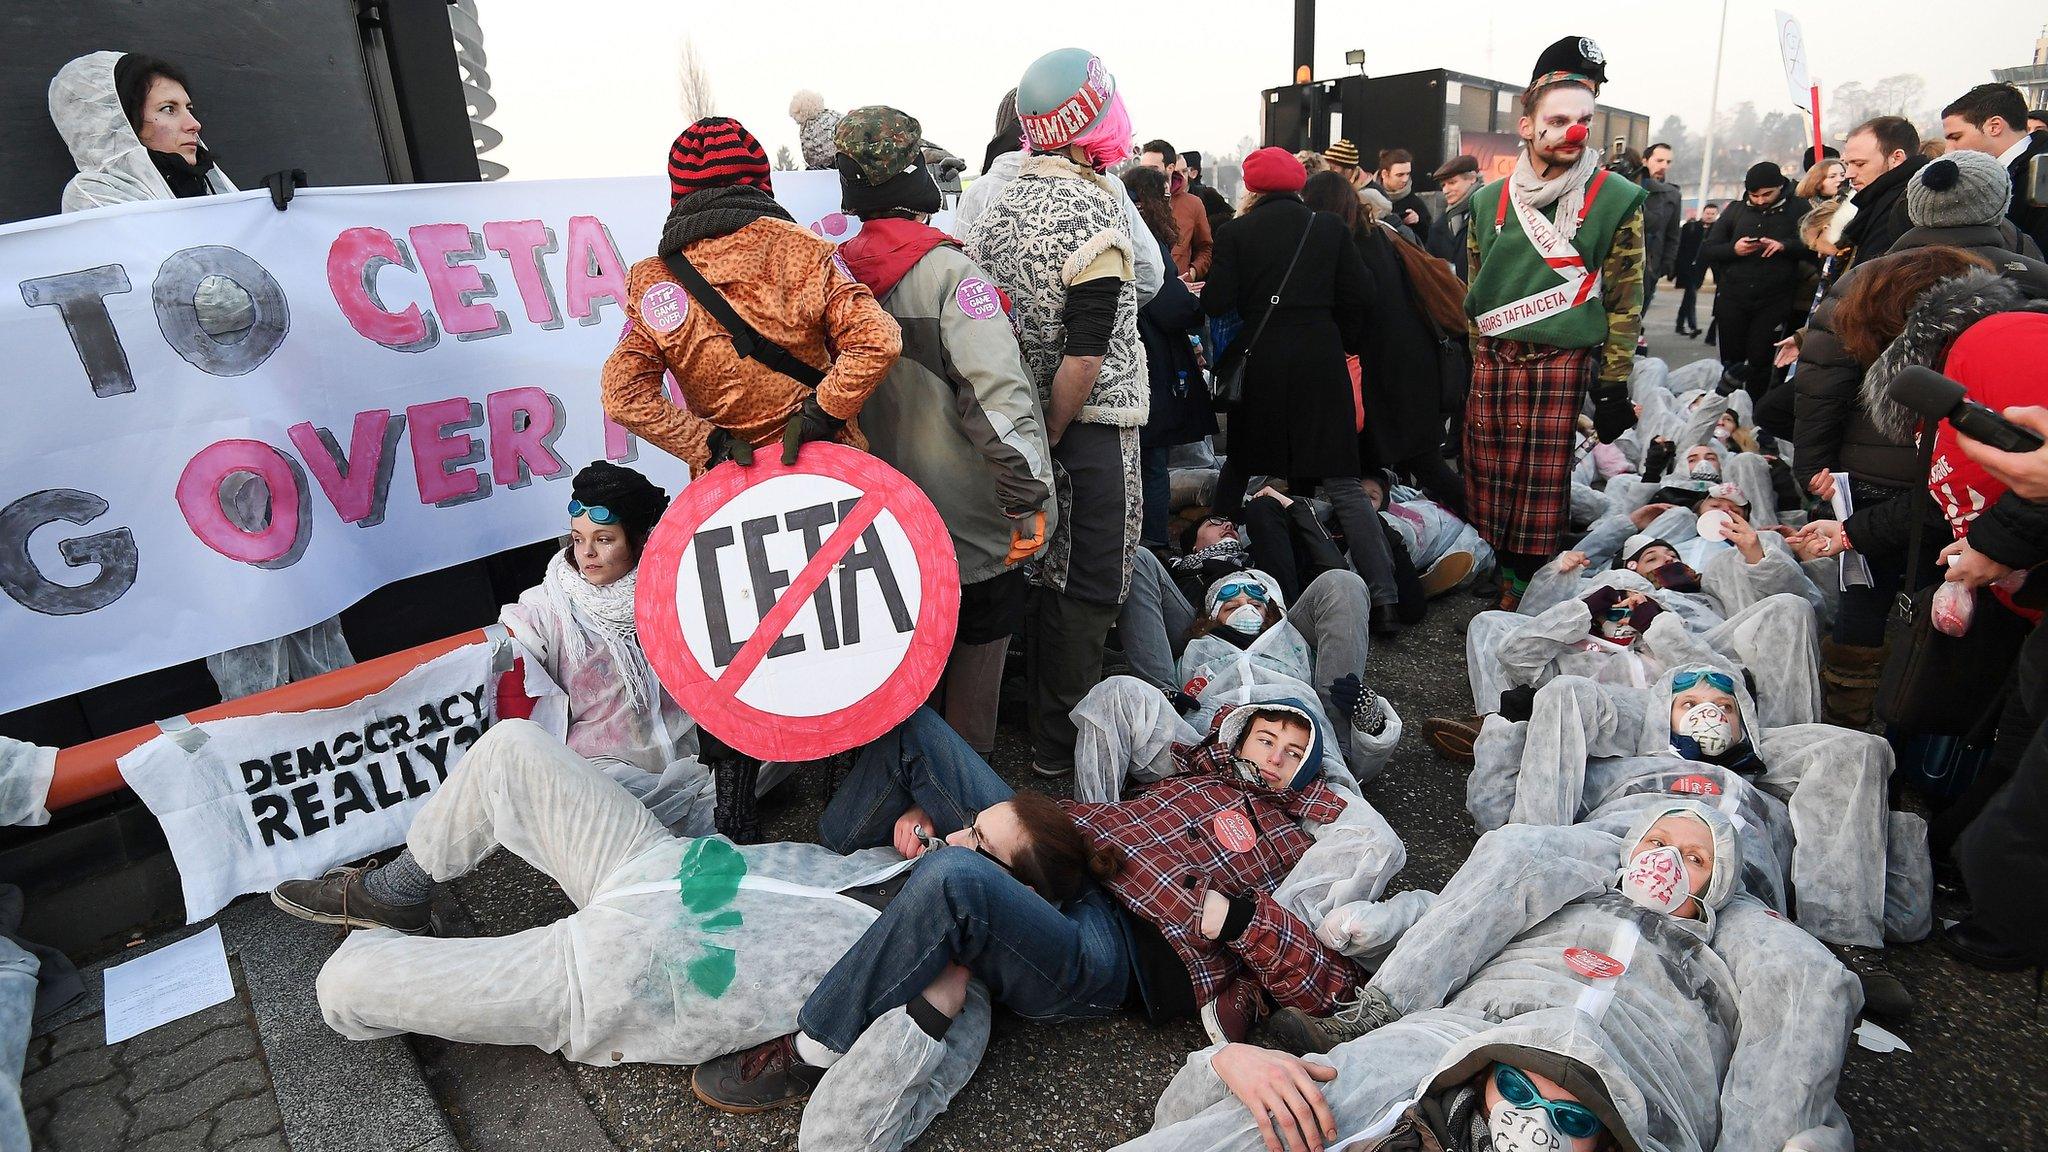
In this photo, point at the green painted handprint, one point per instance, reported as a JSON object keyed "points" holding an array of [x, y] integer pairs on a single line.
{"points": [[707, 880]]}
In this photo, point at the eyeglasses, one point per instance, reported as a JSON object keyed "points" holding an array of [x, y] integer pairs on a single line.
{"points": [[1719, 680], [1235, 589], [1572, 1119], [598, 513]]}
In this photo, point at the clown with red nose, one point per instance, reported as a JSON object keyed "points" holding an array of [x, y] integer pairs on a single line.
{"points": [[1556, 286]]}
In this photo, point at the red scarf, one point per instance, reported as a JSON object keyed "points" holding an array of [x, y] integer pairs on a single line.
{"points": [[883, 252]]}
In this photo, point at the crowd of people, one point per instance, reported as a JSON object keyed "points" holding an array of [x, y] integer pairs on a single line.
{"points": [[1197, 455]]}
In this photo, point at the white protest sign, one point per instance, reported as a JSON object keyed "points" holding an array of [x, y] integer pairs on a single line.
{"points": [[249, 801], [1792, 48], [795, 611], [418, 386]]}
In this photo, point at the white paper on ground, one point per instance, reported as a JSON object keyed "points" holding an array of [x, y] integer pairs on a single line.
{"points": [[1878, 1040], [168, 984]]}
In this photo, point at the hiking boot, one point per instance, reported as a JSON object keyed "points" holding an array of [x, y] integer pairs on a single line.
{"points": [[1510, 597], [1452, 739], [339, 897], [1885, 996], [1295, 1031], [1229, 1018], [1385, 621], [1446, 573], [768, 1075], [1849, 677]]}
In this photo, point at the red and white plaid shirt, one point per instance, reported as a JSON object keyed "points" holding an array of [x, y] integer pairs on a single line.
{"points": [[1204, 828]]}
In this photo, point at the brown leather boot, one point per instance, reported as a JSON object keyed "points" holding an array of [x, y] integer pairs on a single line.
{"points": [[1849, 676]]}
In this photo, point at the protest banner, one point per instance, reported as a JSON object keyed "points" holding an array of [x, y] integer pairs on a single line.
{"points": [[415, 384], [795, 611], [249, 801]]}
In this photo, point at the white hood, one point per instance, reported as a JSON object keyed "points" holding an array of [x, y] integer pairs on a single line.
{"points": [[113, 166]]}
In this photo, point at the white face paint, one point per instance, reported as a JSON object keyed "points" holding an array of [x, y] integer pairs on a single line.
{"points": [[1657, 880], [1247, 618], [1709, 725], [1523, 1129]]}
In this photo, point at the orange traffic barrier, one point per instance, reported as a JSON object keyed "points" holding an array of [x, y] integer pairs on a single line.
{"points": [[88, 770]]}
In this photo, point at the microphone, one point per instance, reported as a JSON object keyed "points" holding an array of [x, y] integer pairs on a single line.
{"points": [[1937, 397]]}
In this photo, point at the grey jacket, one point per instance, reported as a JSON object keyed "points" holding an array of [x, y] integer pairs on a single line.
{"points": [[957, 413]]}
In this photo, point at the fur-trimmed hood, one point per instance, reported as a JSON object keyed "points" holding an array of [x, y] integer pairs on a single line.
{"points": [[1940, 316]]}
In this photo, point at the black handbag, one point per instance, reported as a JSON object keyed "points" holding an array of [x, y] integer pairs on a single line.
{"points": [[1226, 386], [1939, 684]]}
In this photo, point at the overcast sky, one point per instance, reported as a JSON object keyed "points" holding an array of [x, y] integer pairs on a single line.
{"points": [[590, 89]]}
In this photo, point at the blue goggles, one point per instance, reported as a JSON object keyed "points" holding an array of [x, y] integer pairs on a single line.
{"points": [[598, 513], [1235, 589], [1717, 680], [1572, 1119]]}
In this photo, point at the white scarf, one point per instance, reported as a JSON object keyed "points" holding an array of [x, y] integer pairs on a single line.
{"points": [[607, 611], [1567, 189]]}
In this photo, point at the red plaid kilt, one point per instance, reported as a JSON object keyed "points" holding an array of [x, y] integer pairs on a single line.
{"points": [[1520, 429]]}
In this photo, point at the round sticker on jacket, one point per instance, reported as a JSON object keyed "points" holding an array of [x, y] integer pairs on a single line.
{"points": [[1597, 965], [663, 306], [1234, 831], [1695, 785], [977, 298]]}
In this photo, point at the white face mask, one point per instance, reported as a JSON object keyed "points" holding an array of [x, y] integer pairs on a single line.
{"points": [[1720, 433], [1247, 618], [1709, 725], [1657, 880], [1523, 1129]]}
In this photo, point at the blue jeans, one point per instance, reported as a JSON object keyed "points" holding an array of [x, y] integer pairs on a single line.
{"points": [[1041, 961]]}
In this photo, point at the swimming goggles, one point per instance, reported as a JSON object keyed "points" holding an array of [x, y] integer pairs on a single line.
{"points": [[1573, 1120], [598, 513], [1719, 680], [1237, 588]]}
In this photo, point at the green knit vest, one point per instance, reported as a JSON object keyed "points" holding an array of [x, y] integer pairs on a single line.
{"points": [[1511, 268]]}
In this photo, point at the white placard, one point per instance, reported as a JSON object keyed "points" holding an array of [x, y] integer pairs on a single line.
{"points": [[168, 984], [418, 386], [1792, 50]]}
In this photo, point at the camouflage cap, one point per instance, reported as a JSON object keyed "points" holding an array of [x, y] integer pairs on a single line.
{"points": [[882, 142]]}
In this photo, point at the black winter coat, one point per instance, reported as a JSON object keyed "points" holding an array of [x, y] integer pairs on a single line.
{"points": [[1180, 412], [1691, 271], [1448, 235], [1756, 276], [2029, 219], [1881, 212], [1398, 373], [1834, 429], [1296, 419]]}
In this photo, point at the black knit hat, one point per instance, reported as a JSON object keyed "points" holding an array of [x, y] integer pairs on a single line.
{"points": [[1572, 57], [1762, 174], [630, 496], [1827, 152]]}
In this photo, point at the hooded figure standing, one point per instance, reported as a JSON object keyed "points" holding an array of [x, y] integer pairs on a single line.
{"points": [[820, 343], [957, 414], [128, 121], [1556, 255], [1057, 241]]}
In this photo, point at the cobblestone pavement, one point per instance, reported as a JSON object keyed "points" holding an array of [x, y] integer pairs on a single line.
{"points": [[199, 1083]]}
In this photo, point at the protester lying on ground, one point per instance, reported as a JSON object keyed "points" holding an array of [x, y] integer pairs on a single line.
{"points": [[956, 413], [1015, 900], [1445, 552], [1569, 989], [26, 771], [831, 342], [1281, 535], [679, 948], [579, 625], [1861, 873]]}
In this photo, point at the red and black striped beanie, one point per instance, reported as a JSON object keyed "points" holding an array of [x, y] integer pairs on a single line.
{"points": [[714, 152]]}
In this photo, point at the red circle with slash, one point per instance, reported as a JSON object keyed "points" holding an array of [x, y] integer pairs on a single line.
{"points": [[713, 699]]}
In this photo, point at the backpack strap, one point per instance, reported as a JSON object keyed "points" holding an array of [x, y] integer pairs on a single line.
{"points": [[745, 340]]}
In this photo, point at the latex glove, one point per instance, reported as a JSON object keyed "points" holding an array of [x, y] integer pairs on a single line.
{"points": [[811, 422], [726, 446], [1022, 546], [1613, 414]]}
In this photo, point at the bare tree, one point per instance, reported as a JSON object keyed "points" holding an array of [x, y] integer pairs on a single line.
{"points": [[1900, 95], [784, 162], [695, 83]]}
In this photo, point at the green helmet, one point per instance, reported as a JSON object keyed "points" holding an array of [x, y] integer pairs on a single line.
{"points": [[1062, 94]]}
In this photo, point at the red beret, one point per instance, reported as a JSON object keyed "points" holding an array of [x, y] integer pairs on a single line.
{"points": [[1273, 170]]}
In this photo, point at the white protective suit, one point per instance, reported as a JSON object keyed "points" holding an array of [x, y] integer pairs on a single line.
{"points": [[1859, 873], [1497, 969], [1127, 730], [1430, 531], [25, 774], [114, 168], [1148, 269], [681, 949]]}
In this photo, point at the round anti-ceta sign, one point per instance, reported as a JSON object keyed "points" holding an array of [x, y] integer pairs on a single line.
{"points": [[795, 611]]}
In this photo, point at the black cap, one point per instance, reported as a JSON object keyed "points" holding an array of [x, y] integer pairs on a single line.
{"points": [[1826, 153], [1763, 174], [1574, 55]]}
